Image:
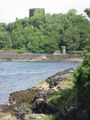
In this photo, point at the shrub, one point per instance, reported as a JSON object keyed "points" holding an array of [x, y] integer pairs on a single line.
{"points": [[82, 80]]}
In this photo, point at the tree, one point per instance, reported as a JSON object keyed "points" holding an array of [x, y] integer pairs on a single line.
{"points": [[71, 39], [2, 27], [82, 76], [46, 34], [17, 40], [5, 40], [87, 11]]}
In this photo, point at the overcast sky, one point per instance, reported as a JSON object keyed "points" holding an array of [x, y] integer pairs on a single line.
{"points": [[10, 9]]}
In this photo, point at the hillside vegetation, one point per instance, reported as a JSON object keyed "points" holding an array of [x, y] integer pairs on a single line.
{"points": [[37, 35]]}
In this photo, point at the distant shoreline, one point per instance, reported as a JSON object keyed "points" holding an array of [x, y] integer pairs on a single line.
{"points": [[13, 56]]}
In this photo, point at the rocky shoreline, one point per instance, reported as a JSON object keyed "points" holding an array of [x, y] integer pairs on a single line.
{"points": [[13, 56], [55, 98], [32, 104]]}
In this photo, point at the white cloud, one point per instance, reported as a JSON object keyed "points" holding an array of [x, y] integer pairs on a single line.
{"points": [[10, 9]]}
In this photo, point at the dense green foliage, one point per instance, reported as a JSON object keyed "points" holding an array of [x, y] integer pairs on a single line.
{"points": [[47, 36], [82, 76], [87, 11], [48, 118]]}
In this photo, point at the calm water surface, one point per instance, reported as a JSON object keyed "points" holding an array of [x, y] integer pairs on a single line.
{"points": [[16, 76]]}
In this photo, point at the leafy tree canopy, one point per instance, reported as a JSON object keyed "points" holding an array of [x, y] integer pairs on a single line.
{"points": [[46, 34]]}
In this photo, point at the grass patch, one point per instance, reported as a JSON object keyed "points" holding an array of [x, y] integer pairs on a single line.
{"points": [[66, 92], [21, 50], [50, 117], [61, 97]]}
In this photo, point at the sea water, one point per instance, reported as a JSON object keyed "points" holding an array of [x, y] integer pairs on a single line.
{"points": [[15, 76]]}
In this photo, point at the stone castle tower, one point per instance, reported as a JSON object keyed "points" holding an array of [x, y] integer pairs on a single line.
{"points": [[37, 12]]}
